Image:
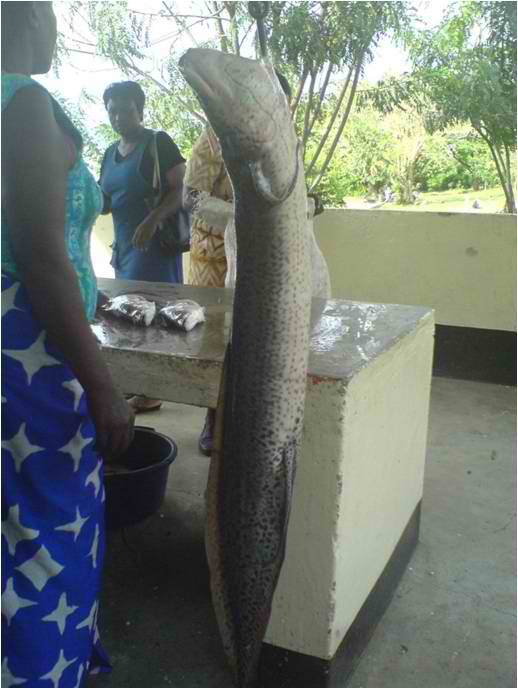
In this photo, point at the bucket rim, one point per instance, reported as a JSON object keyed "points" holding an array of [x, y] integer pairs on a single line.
{"points": [[165, 462]]}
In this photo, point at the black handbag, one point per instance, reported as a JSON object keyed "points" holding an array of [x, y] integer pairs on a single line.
{"points": [[174, 232]]}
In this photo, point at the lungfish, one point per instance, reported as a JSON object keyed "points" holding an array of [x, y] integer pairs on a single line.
{"points": [[261, 404]]}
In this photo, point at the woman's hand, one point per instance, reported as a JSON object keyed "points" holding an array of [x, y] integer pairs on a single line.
{"points": [[113, 420], [144, 232], [102, 299]]}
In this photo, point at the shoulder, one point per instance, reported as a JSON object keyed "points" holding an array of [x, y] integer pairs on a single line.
{"points": [[30, 108], [14, 84], [163, 137], [106, 155], [170, 154], [110, 149], [164, 141]]}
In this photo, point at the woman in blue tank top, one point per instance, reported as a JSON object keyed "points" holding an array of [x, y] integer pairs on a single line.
{"points": [[60, 409], [127, 185]]}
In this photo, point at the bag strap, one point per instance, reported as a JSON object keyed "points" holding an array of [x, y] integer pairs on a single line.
{"points": [[157, 180]]}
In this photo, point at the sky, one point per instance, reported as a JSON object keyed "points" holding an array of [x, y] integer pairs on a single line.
{"points": [[93, 74]]}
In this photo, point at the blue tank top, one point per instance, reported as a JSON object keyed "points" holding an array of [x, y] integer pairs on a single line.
{"points": [[83, 204], [129, 193]]}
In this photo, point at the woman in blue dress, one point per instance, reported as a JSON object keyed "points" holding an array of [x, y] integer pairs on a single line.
{"points": [[60, 409], [127, 184]]}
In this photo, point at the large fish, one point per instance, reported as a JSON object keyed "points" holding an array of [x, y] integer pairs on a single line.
{"points": [[261, 405]]}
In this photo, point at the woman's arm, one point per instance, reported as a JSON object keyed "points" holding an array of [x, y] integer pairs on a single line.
{"points": [[215, 212], [107, 201], [172, 167], [35, 168], [191, 198], [171, 202]]}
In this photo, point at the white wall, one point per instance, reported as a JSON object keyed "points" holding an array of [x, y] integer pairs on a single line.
{"points": [[461, 264]]}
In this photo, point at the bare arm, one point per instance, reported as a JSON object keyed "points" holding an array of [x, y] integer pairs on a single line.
{"points": [[171, 202], [35, 165], [215, 212], [191, 198], [107, 201]]}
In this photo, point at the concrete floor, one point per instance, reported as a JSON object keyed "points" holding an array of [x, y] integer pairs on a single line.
{"points": [[452, 620]]}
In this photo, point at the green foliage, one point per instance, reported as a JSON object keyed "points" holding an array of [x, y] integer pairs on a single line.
{"points": [[458, 77], [464, 71], [394, 152], [313, 34], [164, 114], [455, 160], [309, 41]]}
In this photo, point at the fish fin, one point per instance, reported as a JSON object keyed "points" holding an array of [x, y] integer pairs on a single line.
{"points": [[289, 458], [268, 569], [262, 183], [213, 537]]}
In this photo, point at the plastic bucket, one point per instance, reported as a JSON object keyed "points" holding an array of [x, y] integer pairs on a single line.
{"points": [[138, 493]]}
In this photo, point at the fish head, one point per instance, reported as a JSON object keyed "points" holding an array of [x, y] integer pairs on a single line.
{"points": [[249, 113]]}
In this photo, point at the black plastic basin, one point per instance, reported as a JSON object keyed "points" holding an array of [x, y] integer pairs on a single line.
{"points": [[138, 493]]}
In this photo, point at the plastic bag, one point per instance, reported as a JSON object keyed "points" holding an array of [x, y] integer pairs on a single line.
{"points": [[183, 314], [231, 253], [132, 307]]}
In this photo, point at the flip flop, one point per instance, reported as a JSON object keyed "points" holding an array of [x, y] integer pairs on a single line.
{"points": [[137, 409]]}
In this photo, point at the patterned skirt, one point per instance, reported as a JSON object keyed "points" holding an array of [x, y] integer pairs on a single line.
{"points": [[208, 262], [52, 510]]}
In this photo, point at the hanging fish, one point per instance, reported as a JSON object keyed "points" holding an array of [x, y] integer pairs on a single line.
{"points": [[261, 406]]}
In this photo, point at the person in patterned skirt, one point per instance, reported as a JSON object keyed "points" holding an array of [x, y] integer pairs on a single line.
{"points": [[206, 173], [61, 412]]}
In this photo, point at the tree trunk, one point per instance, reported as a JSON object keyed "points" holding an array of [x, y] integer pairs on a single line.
{"points": [[223, 40], [307, 113], [345, 117], [510, 204], [300, 89], [331, 123], [509, 179], [320, 98]]}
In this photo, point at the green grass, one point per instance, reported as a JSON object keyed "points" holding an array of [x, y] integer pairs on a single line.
{"points": [[491, 201]]}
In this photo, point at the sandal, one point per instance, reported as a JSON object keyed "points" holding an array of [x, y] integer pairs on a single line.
{"points": [[141, 404]]}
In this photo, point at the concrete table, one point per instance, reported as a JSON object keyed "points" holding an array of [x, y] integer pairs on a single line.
{"points": [[355, 515]]}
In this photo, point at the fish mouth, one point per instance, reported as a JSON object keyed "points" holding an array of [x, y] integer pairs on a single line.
{"points": [[193, 77], [199, 67]]}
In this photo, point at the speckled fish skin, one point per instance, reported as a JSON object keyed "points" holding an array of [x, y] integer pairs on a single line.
{"points": [[261, 407]]}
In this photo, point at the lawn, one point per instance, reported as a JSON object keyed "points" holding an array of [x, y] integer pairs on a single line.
{"points": [[490, 201]]}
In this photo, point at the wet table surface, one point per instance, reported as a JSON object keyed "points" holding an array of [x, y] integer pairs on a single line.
{"points": [[346, 335]]}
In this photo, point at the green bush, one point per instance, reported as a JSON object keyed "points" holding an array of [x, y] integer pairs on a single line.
{"points": [[373, 149], [455, 160]]}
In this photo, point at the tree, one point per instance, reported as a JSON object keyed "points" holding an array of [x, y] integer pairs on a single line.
{"points": [[464, 71], [318, 40], [322, 47], [410, 138]]}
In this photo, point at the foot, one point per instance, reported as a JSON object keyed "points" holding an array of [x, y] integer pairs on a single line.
{"points": [[141, 404], [206, 437]]}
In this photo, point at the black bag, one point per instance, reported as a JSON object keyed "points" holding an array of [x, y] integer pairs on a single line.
{"points": [[174, 233]]}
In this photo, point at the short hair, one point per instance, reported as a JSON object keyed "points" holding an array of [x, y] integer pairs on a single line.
{"points": [[284, 83], [129, 90]]}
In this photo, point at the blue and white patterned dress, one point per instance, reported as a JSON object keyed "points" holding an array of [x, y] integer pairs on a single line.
{"points": [[52, 479]]}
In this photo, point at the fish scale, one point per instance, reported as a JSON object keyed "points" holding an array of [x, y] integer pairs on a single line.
{"points": [[261, 404]]}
